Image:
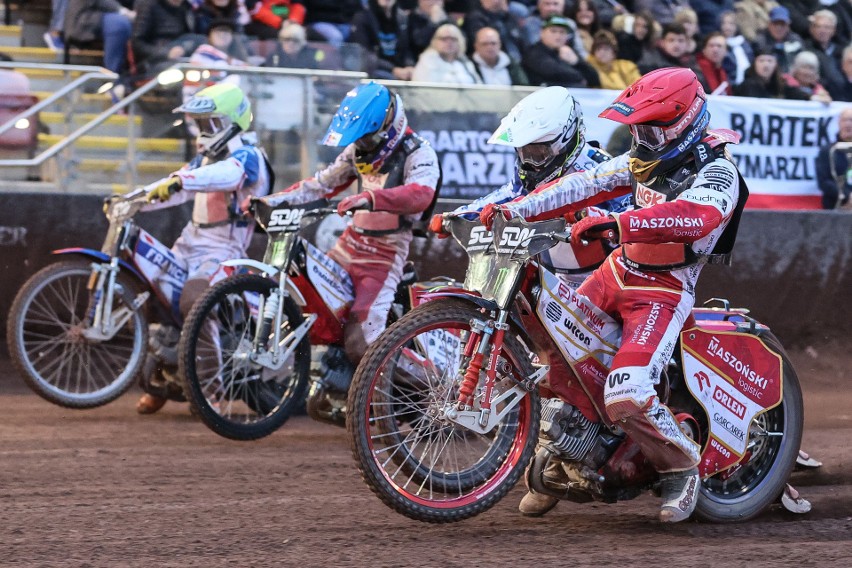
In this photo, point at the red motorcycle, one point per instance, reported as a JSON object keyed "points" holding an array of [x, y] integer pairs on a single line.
{"points": [[453, 402]]}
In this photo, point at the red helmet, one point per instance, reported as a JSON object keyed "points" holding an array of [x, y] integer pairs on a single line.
{"points": [[667, 113]]}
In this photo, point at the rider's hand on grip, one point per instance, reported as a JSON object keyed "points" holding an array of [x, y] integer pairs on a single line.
{"points": [[486, 216], [108, 200], [164, 189], [436, 225], [591, 228], [361, 200]]}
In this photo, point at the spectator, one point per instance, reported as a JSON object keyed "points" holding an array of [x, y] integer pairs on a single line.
{"points": [[212, 10], [740, 54], [444, 61], [778, 37], [585, 14], [663, 11], [834, 170], [709, 60], [331, 20], [804, 76], [292, 50], [159, 31], [843, 11], [846, 67], [763, 80], [495, 14], [88, 21], [709, 12], [800, 11], [689, 20], [753, 17], [551, 61], [670, 51], [492, 64], [545, 9], [636, 35], [53, 35], [380, 30], [617, 74], [268, 16], [423, 21], [823, 25]]}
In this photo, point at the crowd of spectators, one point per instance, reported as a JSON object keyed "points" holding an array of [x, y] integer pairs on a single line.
{"points": [[776, 48]]}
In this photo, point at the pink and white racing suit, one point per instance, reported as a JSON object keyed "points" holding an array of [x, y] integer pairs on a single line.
{"points": [[216, 232], [374, 247], [689, 209]]}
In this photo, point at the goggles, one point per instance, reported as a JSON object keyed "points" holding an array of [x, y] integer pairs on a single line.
{"points": [[370, 142], [210, 125], [652, 137], [537, 154]]}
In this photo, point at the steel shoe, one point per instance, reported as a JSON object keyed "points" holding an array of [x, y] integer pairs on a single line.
{"points": [[536, 504], [680, 495]]}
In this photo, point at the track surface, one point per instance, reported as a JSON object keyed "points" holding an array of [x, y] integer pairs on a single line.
{"points": [[107, 487]]}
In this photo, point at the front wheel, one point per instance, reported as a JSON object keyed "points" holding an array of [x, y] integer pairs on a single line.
{"points": [[774, 440], [51, 344], [416, 460], [234, 396]]}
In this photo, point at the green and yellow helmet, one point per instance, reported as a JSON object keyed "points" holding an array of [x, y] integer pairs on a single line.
{"points": [[221, 112]]}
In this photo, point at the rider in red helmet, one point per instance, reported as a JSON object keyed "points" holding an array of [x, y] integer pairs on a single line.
{"points": [[688, 199]]}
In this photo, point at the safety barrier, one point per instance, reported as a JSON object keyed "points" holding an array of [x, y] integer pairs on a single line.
{"points": [[792, 269]]}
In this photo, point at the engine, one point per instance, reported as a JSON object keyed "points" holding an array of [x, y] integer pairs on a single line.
{"points": [[570, 435]]}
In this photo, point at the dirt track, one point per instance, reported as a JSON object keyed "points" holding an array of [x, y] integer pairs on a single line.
{"points": [[106, 487]]}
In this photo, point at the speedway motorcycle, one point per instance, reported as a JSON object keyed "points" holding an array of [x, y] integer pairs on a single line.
{"points": [[245, 350], [453, 402], [78, 330]]}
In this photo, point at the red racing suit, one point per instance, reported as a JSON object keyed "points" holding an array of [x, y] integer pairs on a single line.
{"points": [[374, 247], [648, 283]]}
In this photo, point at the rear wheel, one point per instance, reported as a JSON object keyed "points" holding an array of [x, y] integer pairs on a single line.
{"points": [[774, 440], [234, 396], [415, 459], [52, 346]]}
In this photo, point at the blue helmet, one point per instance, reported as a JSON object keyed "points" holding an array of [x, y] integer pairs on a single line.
{"points": [[372, 118]]}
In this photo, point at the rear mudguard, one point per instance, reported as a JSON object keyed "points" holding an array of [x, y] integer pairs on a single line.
{"points": [[101, 257]]}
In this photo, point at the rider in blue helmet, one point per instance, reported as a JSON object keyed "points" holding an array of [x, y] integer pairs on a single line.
{"points": [[396, 175]]}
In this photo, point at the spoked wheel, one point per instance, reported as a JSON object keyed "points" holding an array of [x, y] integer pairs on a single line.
{"points": [[53, 348], [774, 439], [234, 396], [411, 455]]}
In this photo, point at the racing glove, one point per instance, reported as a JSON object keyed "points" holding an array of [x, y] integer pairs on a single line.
{"points": [[108, 200], [436, 225], [595, 228], [361, 200], [165, 189], [486, 216]]}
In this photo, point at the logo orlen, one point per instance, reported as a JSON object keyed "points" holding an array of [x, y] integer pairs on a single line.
{"points": [[736, 407], [702, 378], [645, 196]]}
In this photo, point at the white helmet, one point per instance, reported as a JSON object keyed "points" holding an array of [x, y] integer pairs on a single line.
{"points": [[546, 129]]}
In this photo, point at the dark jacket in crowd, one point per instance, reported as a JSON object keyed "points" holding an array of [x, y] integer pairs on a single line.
{"points": [[830, 73], [832, 193], [383, 38], [84, 19], [630, 47], [208, 12], [799, 12], [306, 58], [708, 12], [544, 67], [159, 25], [420, 30], [775, 88], [331, 11], [511, 33]]}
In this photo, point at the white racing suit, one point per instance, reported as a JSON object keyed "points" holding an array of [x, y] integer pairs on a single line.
{"points": [[648, 283], [217, 231], [571, 263], [374, 246]]}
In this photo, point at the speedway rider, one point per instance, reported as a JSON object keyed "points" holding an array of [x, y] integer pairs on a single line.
{"points": [[229, 168], [547, 131], [398, 176], [688, 199]]}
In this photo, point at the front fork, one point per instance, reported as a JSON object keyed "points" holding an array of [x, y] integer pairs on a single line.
{"points": [[271, 314], [101, 322], [486, 338]]}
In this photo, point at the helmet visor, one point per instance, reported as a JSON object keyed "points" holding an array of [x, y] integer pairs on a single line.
{"points": [[536, 155], [370, 142], [652, 137], [210, 125]]}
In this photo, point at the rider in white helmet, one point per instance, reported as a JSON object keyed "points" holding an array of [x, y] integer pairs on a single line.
{"points": [[546, 129]]}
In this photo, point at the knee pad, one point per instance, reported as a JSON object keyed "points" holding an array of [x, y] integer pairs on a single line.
{"points": [[628, 391]]}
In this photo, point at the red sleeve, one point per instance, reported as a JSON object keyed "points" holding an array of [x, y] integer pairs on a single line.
{"points": [[297, 14], [265, 16], [671, 222], [404, 199]]}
